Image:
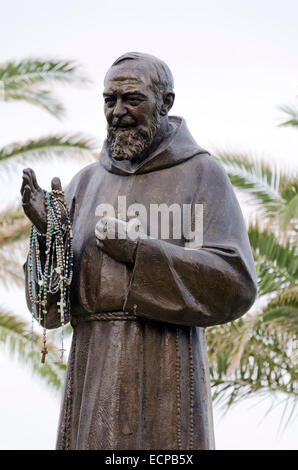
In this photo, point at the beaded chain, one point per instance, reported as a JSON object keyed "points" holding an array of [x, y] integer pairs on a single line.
{"points": [[56, 274]]}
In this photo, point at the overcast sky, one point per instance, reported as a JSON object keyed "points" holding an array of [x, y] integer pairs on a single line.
{"points": [[234, 62]]}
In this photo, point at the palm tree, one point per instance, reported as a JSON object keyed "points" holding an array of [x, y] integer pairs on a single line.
{"points": [[29, 80], [255, 354], [292, 114]]}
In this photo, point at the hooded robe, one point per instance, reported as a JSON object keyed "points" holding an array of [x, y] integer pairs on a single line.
{"points": [[137, 375]]}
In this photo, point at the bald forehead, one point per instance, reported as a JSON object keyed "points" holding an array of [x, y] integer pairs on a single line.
{"points": [[131, 72]]}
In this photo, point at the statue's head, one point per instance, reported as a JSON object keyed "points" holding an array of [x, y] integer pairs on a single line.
{"points": [[138, 94]]}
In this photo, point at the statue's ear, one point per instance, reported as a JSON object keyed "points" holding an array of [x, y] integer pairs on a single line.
{"points": [[168, 101]]}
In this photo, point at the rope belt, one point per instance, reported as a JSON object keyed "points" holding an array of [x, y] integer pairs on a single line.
{"points": [[105, 316]]}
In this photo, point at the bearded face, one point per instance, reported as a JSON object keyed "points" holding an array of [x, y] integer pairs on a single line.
{"points": [[132, 110], [128, 142]]}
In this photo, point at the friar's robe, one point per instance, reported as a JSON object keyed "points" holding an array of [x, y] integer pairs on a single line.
{"points": [[141, 382]]}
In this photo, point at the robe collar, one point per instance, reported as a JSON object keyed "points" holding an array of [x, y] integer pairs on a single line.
{"points": [[179, 147]]}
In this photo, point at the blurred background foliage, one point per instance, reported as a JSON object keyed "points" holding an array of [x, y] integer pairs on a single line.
{"points": [[253, 355], [257, 354], [32, 80]]}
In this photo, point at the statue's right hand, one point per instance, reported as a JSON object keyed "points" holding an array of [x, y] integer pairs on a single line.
{"points": [[33, 198]]}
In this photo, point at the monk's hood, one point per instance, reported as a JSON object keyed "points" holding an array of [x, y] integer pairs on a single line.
{"points": [[179, 147]]}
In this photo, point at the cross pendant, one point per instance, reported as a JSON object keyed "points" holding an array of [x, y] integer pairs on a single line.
{"points": [[62, 351], [44, 352], [61, 310], [61, 305]]}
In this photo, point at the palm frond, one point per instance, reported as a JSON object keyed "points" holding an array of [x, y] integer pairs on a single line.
{"points": [[289, 214], [26, 80], [256, 354], [259, 180], [251, 356], [14, 229], [29, 72], [292, 114], [10, 215], [11, 264], [14, 226], [289, 187], [70, 145], [16, 338], [42, 98], [282, 310], [276, 264]]}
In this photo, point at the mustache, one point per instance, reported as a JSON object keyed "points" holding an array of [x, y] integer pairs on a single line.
{"points": [[122, 122]]}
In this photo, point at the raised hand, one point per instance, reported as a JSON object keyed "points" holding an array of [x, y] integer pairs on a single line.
{"points": [[33, 199]]}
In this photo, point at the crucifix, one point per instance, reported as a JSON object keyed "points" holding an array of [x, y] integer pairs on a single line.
{"points": [[61, 309], [62, 350], [44, 352]]}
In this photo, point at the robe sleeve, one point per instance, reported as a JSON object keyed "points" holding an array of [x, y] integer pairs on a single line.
{"points": [[201, 287]]}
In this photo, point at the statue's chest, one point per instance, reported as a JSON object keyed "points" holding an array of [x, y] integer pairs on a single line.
{"points": [[157, 199]]}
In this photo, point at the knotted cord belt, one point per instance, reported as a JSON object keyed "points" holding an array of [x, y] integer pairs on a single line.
{"points": [[105, 316]]}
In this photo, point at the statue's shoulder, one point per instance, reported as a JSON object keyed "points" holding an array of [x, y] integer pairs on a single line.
{"points": [[80, 179], [209, 166]]}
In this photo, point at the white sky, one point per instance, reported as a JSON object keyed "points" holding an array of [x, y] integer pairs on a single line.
{"points": [[234, 62]]}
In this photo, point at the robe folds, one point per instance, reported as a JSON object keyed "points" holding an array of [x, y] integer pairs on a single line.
{"points": [[137, 375]]}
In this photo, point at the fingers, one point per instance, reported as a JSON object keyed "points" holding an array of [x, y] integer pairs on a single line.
{"points": [[34, 181], [26, 179], [134, 229], [56, 184], [111, 228], [29, 178], [101, 229], [26, 182], [26, 194]]}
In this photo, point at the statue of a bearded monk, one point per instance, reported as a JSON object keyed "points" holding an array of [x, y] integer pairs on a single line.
{"points": [[143, 293]]}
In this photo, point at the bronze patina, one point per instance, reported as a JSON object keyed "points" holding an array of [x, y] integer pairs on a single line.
{"points": [[137, 375]]}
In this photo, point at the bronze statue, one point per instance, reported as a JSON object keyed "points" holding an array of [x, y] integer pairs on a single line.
{"points": [[137, 375]]}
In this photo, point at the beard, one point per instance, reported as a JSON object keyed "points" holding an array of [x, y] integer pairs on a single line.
{"points": [[126, 144]]}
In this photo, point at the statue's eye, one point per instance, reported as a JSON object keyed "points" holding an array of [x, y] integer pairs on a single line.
{"points": [[110, 101], [134, 101]]}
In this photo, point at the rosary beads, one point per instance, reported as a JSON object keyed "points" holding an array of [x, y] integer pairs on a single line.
{"points": [[51, 264]]}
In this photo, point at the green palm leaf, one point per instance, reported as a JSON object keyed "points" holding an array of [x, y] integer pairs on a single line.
{"points": [[74, 145], [275, 192], [10, 264], [256, 354], [26, 80], [282, 310], [290, 213], [251, 356], [30, 71], [260, 181], [42, 98], [29, 80], [276, 264], [14, 226], [292, 113], [14, 229], [16, 338]]}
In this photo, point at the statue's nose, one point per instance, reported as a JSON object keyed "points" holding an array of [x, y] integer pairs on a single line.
{"points": [[119, 109]]}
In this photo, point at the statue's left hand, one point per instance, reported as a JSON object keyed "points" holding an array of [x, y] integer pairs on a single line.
{"points": [[113, 237]]}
